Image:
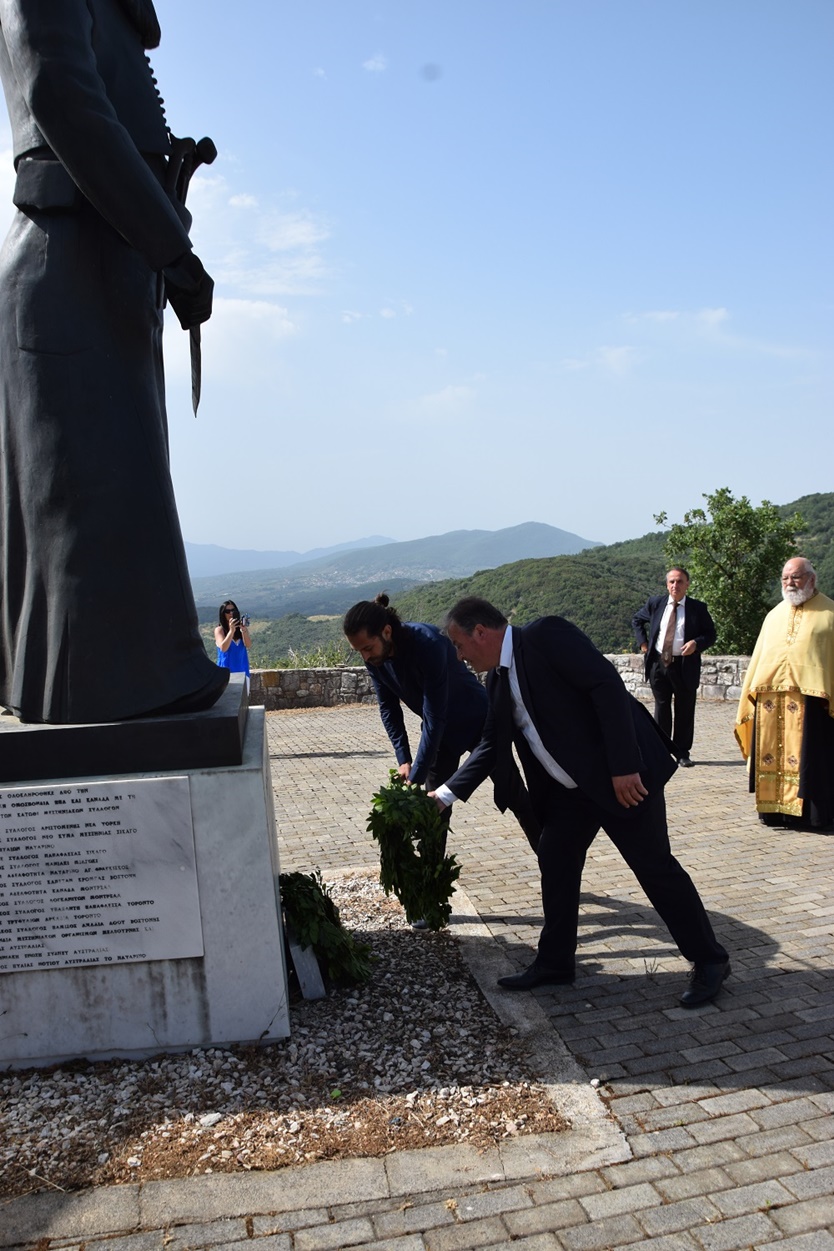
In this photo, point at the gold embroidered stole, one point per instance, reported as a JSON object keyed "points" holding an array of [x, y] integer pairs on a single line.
{"points": [[780, 720]]}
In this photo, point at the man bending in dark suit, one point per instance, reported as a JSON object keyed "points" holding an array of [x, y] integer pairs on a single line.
{"points": [[671, 631], [593, 758]]}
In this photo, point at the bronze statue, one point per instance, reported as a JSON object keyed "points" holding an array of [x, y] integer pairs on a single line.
{"points": [[97, 617]]}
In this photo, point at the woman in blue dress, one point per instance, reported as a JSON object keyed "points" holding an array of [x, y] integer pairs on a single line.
{"points": [[232, 639]]}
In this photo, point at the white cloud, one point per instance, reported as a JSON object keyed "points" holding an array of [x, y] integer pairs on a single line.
{"points": [[253, 276], [712, 324], [713, 316], [393, 308], [207, 187], [349, 316], [238, 342], [275, 320], [279, 253], [282, 232], [658, 315], [376, 64], [695, 328], [449, 401], [616, 360]]}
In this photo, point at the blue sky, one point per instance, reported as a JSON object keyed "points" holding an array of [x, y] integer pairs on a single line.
{"points": [[481, 262]]}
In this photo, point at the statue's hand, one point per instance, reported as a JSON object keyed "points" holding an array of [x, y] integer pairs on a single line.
{"points": [[189, 289]]}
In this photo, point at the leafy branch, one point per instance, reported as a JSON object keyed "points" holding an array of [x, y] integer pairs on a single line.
{"points": [[411, 835], [314, 917]]}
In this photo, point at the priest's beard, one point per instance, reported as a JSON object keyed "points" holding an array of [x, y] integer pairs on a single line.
{"points": [[796, 595]]}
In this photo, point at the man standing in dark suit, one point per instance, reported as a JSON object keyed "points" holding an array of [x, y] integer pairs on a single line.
{"points": [[671, 631], [592, 758]]}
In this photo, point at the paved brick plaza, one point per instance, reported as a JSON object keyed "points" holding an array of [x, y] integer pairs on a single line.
{"points": [[727, 1109]]}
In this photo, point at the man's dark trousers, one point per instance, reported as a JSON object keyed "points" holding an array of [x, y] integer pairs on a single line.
{"points": [[571, 822], [668, 684]]}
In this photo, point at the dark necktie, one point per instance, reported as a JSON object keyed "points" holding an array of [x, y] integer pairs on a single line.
{"points": [[669, 637], [504, 702], [504, 736]]}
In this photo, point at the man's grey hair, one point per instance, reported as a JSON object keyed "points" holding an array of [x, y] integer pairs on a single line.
{"points": [[807, 566], [472, 611]]}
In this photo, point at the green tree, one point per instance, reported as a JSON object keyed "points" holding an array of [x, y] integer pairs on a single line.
{"points": [[734, 556]]}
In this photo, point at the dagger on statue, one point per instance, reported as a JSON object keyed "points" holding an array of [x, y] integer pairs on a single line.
{"points": [[185, 157]]}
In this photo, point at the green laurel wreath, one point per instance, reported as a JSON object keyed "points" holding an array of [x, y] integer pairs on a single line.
{"points": [[410, 832]]}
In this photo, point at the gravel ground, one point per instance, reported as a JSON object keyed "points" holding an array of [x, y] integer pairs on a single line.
{"points": [[415, 1058]]}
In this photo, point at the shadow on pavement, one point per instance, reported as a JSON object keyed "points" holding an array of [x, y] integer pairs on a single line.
{"points": [[621, 1020]]}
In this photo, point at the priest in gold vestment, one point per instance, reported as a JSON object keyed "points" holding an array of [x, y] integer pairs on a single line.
{"points": [[785, 722]]}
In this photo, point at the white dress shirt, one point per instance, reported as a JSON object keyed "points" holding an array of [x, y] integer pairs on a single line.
{"points": [[680, 620], [524, 721]]}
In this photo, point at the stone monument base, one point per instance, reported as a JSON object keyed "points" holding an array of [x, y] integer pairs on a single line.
{"points": [[234, 992]]}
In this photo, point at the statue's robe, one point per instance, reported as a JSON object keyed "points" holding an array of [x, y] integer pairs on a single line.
{"points": [[97, 617]]}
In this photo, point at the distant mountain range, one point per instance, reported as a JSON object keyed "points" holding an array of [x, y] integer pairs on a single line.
{"points": [[206, 559], [331, 582]]}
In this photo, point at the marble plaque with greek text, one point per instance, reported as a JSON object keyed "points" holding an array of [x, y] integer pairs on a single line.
{"points": [[97, 873]]}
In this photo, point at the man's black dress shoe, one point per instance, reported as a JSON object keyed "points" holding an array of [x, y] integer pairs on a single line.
{"points": [[685, 762], [705, 982], [536, 975]]}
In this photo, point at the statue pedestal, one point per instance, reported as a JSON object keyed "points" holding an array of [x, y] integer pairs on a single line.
{"points": [[31, 752], [197, 961]]}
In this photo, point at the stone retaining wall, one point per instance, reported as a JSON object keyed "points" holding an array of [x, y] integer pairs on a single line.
{"points": [[310, 688], [721, 678]]}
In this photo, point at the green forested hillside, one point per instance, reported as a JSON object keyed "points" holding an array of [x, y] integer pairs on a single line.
{"points": [[314, 642], [598, 589], [817, 542]]}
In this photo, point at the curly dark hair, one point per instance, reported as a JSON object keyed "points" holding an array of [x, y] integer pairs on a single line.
{"points": [[372, 616]]}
